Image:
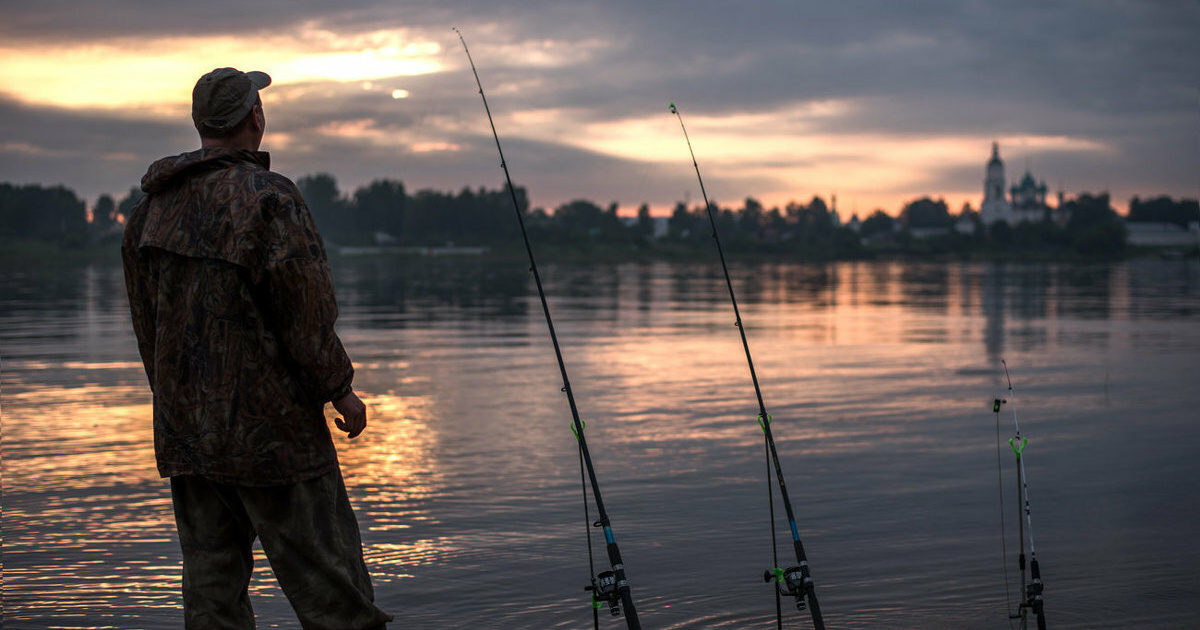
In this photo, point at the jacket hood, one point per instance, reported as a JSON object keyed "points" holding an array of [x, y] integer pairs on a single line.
{"points": [[163, 172]]}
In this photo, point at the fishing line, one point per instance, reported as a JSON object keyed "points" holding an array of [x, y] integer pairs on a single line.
{"points": [[795, 581], [996, 404], [774, 537], [609, 586], [1033, 590], [587, 530]]}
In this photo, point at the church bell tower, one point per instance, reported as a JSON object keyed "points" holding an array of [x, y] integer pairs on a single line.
{"points": [[995, 206]]}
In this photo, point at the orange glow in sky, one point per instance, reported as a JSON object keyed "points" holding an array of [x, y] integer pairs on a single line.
{"points": [[790, 152], [157, 74]]}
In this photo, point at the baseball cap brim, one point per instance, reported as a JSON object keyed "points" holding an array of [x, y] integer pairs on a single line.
{"points": [[258, 79]]}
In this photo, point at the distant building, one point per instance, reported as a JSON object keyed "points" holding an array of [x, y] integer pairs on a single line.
{"points": [[928, 232], [1148, 234], [995, 206], [964, 224], [659, 225], [1026, 200]]}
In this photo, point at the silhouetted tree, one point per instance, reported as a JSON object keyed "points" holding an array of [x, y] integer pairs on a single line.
{"points": [[104, 214], [750, 221], [582, 220], [682, 225], [645, 223], [125, 206], [380, 206], [1165, 210], [1000, 234], [926, 213], [49, 214], [320, 192], [812, 228], [846, 244], [1094, 227], [879, 223]]}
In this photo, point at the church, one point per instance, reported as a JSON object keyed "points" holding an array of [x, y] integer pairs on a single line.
{"points": [[1025, 201]]}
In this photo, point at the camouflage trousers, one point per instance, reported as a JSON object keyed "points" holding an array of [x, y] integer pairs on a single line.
{"points": [[310, 537]]}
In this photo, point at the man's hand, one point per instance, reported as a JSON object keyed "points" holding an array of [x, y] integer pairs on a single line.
{"points": [[355, 412]]}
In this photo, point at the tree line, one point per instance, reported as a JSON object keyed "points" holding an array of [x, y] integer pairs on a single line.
{"points": [[385, 213], [55, 214]]}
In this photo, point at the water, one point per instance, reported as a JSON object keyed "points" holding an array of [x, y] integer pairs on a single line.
{"points": [[879, 376]]}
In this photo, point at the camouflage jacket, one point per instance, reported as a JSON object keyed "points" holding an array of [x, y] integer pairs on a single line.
{"points": [[233, 308]]}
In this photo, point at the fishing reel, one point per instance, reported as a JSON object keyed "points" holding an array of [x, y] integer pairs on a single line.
{"points": [[790, 582], [604, 589], [1033, 595], [1033, 590]]}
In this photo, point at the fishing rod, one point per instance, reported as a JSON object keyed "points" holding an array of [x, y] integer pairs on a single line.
{"points": [[794, 581], [1033, 589], [609, 586]]}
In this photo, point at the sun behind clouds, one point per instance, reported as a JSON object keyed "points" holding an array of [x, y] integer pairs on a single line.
{"points": [[156, 76]]}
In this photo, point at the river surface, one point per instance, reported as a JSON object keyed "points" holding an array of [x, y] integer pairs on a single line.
{"points": [[880, 378]]}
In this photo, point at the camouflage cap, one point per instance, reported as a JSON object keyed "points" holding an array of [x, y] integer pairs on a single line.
{"points": [[223, 97]]}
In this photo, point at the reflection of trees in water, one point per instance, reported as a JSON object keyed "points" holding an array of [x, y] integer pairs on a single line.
{"points": [[1028, 289], [1024, 293], [1023, 305], [926, 285], [813, 284], [878, 282], [992, 305], [1164, 289], [63, 288], [1035, 296], [396, 289], [697, 283], [644, 281], [64, 310], [591, 291], [754, 283], [1083, 290], [1019, 302]]}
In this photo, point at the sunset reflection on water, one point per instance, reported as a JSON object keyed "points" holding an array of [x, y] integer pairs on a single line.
{"points": [[88, 528], [393, 469], [879, 377], [72, 438]]}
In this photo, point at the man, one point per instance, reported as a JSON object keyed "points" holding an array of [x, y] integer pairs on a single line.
{"points": [[233, 308]]}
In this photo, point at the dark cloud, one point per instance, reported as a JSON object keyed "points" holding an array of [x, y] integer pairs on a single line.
{"points": [[1115, 74], [553, 173], [87, 152]]}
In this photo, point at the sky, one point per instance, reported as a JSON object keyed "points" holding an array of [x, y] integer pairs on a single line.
{"points": [[876, 102]]}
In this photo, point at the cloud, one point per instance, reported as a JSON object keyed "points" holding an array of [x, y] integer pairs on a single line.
{"points": [[878, 100], [85, 151], [155, 74]]}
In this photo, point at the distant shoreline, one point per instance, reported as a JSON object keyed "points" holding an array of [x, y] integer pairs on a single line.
{"points": [[18, 253]]}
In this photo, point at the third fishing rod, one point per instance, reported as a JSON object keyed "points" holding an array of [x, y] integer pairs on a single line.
{"points": [[1032, 590], [609, 586], [795, 581]]}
